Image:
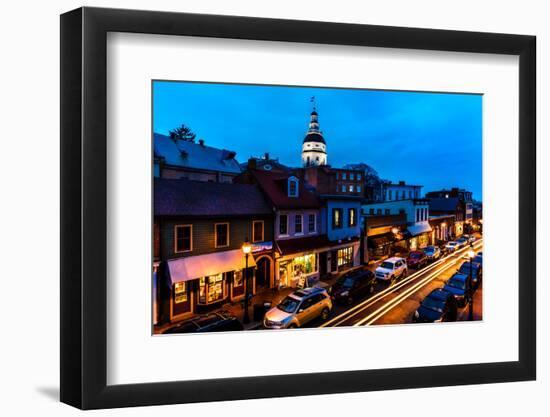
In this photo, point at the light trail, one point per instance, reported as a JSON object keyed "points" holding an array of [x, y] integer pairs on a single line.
{"points": [[393, 288]]}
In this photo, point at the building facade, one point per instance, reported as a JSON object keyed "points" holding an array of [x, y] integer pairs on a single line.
{"points": [[298, 229], [417, 234], [400, 191], [341, 217], [466, 204], [199, 231], [333, 181]]}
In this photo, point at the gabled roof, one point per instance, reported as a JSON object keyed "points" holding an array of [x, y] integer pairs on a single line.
{"points": [[444, 204], [274, 185], [191, 155], [182, 197]]}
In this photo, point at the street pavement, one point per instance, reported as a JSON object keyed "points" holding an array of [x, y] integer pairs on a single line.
{"points": [[397, 304]]}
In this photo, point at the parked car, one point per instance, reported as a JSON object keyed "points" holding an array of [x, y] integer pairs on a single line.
{"points": [[440, 305], [391, 270], [471, 239], [417, 259], [432, 253], [462, 241], [477, 272], [353, 285], [212, 322], [452, 246], [299, 308], [459, 286]]}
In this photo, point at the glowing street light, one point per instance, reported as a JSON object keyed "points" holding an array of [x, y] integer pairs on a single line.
{"points": [[247, 248]]}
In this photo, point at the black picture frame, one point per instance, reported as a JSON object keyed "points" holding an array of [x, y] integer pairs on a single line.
{"points": [[84, 207]]}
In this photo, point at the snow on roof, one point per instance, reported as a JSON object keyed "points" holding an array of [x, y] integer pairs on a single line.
{"points": [[193, 155]]}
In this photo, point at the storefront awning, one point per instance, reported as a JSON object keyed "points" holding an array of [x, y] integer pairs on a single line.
{"points": [[193, 267], [380, 240], [418, 229]]}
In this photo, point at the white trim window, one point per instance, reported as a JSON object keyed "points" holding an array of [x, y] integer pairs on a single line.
{"points": [[283, 225], [221, 235], [183, 238], [298, 224], [257, 231], [293, 187], [312, 223]]}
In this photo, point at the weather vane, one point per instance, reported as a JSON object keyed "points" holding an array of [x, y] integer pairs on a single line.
{"points": [[312, 100]]}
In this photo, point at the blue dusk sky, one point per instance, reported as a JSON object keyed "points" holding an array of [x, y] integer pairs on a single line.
{"points": [[430, 139]]}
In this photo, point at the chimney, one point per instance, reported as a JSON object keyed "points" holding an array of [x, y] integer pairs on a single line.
{"points": [[401, 182], [201, 142], [252, 163], [266, 157]]}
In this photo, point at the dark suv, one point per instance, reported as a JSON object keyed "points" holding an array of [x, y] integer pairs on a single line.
{"points": [[211, 322], [352, 286], [439, 305]]}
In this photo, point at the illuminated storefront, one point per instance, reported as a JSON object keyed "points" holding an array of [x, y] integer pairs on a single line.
{"points": [[296, 271], [200, 283]]}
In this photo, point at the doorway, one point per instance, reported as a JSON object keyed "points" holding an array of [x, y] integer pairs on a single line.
{"points": [[263, 272]]}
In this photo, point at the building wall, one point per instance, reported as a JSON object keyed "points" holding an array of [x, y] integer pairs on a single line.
{"points": [[204, 176], [203, 234], [401, 192], [291, 223], [409, 207], [345, 231]]}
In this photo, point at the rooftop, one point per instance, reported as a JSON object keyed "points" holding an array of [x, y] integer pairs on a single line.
{"points": [[192, 155], [182, 197], [274, 185]]}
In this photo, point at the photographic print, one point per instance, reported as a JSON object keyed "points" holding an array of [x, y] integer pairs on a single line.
{"points": [[289, 207]]}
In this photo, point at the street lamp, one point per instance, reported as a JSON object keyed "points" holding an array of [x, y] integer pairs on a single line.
{"points": [[247, 248], [471, 255]]}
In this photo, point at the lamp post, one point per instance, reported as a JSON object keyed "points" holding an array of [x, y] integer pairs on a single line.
{"points": [[471, 255], [247, 248]]}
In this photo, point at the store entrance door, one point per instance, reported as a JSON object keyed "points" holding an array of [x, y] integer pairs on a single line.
{"points": [[263, 272], [323, 264]]}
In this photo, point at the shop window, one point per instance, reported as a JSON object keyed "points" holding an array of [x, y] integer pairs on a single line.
{"points": [[352, 217], [222, 235], [238, 280], [306, 264], [211, 289], [336, 218], [180, 292], [345, 257], [183, 241], [312, 223], [257, 231], [283, 224], [298, 229]]}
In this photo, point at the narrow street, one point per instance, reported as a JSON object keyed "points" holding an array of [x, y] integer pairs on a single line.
{"points": [[396, 304]]}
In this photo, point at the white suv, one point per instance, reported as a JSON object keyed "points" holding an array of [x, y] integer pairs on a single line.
{"points": [[391, 269]]}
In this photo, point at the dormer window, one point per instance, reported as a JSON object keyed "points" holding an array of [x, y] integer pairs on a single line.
{"points": [[293, 187]]}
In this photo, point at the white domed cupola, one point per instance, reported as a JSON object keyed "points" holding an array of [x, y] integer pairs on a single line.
{"points": [[314, 148]]}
